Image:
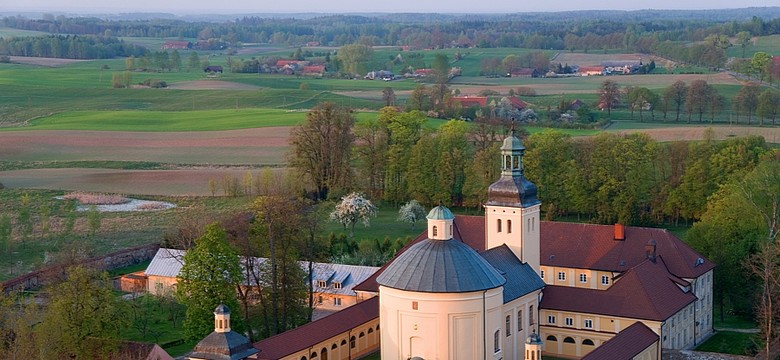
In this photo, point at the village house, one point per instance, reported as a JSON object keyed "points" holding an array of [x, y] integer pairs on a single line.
{"points": [[177, 45], [590, 70], [470, 101], [333, 283], [525, 73], [510, 286]]}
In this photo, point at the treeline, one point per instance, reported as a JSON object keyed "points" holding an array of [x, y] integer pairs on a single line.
{"points": [[608, 178], [69, 47], [572, 31]]}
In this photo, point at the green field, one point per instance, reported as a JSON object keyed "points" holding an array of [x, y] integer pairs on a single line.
{"points": [[6, 32], [768, 44]]}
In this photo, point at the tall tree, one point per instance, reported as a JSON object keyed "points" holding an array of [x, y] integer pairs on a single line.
{"points": [[210, 276], [193, 62], [322, 146], [176, 60], [743, 40], [371, 155], [355, 58], [768, 105], [675, 95], [81, 309], [698, 99], [353, 208], [441, 73], [746, 100], [388, 96], [549, 161], [609, 95]]}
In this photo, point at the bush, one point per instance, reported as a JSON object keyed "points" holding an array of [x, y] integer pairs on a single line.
{"points": [[85, 198], [5, 59], [155, 83]]}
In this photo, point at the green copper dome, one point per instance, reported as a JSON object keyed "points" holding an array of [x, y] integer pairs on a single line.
{"points": [[440, 213]]}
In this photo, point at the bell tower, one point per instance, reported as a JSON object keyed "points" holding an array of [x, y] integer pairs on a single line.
{"points": [[512, 208]]}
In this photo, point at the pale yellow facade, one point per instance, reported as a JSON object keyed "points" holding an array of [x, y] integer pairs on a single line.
{"points": [[516, 227], [441, 325], [354, 344], [161, 285], [580, 278]]}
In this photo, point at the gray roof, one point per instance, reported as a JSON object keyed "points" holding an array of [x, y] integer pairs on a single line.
{"points": [[512, 142], [512, 191], [440, 266], [168, 263], [521, 279], [223, 346]]}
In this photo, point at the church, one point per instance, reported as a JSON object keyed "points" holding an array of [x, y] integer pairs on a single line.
{"points": [[507, 285]]}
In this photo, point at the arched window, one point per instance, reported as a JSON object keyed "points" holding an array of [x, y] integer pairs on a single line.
{"points": [[508, 325], [569, 340], [507, 162], [334, 347], [551, 338], [498, 225], [313, 355], [509, 226], [435, 231], [515, 162], [343, 342], [352, 342], [496, 341], [588, 342], [362, 334], [377, 327], [324, 354], [519, 320], [370, 330], [303, 358]]}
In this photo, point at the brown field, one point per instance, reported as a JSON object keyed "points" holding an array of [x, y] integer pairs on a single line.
{"points": [[182, 182], [41, 61], [583, 59], [261, 146], [211, 85], [772, 135]]}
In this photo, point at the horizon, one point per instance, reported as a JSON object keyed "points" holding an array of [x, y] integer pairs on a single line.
{"points": [[230, 7]]}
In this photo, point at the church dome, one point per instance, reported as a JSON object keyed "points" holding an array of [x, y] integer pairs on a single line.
{"points": [[448, 266], [512, 143], [533, 338], [440, 213], [221, 310], [512, 191]]}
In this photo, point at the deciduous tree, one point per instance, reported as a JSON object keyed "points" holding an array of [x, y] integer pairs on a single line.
{"points": [[210, 276], [322, 146], [609, 95], [353, 208], [411, 212]]}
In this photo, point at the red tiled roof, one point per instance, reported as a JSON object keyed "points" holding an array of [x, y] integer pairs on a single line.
{"points": [[469, 101], [584, 246], [517, 103], [308, 335], [583, 69], [463, 230], [281, 63], [314, 69], [646, 291], [523, 72], [626, 344], [590, 246]]}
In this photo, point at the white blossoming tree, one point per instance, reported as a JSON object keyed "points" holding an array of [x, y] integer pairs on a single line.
{"points": [[411, 212], [353, 208]]}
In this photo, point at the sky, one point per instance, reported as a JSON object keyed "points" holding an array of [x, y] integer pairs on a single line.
{"points": [[183, 7]]}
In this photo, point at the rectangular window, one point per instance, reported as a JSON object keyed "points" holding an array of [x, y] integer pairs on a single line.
{"points": [[531, 315], [509, 226], [319, 299], [496, 341], [569, 321], [498, 224], [337, 301], [583, 278], [588, 324], [519, 320], [337, 285], [561, 276], [551, 319], [414, 305], [321, 283], [604, 280], [508, 325]]}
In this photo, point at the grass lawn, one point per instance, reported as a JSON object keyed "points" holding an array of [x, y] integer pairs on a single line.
{"points": [[384, 225], [729, 342], [733, 322], [159, 321]]}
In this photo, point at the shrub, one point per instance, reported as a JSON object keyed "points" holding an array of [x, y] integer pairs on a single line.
{"points": [[86, 198], [155, 83]]}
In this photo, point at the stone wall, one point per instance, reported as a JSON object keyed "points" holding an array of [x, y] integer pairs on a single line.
{"points": [[116, 260]]}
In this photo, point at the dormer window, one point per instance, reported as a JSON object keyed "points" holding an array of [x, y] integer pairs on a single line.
{"points": [[337, 285], [322, 283]]}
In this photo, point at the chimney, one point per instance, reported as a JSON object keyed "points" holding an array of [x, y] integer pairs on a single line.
{"points": [[650, 250], [620, 232]]}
